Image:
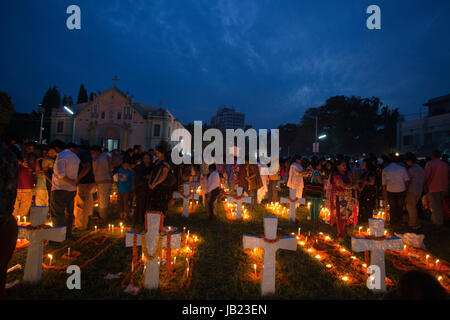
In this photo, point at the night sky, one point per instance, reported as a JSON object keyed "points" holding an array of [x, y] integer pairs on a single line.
{"points": [[271, 59]]}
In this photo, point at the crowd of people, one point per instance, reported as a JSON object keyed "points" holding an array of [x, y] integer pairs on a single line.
{"points": [[65, 178]]}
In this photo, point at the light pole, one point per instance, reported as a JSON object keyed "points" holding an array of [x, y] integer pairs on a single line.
{"points": [[41, 128], [73, 128]]}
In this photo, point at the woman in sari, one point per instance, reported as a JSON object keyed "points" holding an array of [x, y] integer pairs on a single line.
{"points": [[343, 202], [160, 193]]}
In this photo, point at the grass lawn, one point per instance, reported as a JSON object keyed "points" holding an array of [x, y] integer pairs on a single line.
{"points": [[221, 267]]}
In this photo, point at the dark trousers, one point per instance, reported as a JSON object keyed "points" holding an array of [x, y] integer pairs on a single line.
{"points": [[61, 209], [396, 202], [8, 241], [211, 198], [124, 202], [253, 194], [142, 205], [273, 192]]}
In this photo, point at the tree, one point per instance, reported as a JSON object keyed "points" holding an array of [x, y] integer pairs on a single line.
{"points": [[82, 95], [51, 100], [6, 111]]}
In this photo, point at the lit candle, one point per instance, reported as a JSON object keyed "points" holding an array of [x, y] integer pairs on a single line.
{"points": [[18, 218], [359, 229], [436, 263], [95, 228], [50, 257], [427, 257], [25, 219], [68, 252], [299, 231], [254, 267]]}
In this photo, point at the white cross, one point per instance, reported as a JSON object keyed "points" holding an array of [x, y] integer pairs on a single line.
{"points": [[239, 202], [33, 265], [292, 200], [151, 280], [377, 248], [270, 248], [186, 196]]}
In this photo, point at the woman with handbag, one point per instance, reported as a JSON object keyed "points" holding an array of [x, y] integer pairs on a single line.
{"points": [[162, 179], [314, 191]]}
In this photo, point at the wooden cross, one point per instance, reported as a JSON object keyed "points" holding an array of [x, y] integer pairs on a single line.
{"points": [[270, 244], [115, 79], [186, 196], [377, 244], [292, 200], [36, 236], [239, 199], [151, 238]]}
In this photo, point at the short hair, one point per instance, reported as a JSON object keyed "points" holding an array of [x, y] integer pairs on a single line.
{"points": [[212, 167], [58, 144], [72, 145]]}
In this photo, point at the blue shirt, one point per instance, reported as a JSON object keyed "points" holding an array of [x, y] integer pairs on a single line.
{"points": [[125, 180]]}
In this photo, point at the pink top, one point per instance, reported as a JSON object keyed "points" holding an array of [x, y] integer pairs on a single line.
{"points": [[436, 176]]}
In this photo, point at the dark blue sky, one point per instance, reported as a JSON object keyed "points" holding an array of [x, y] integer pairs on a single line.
{"points": [[271, 59]]}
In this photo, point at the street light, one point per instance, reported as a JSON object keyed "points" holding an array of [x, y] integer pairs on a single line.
{"points": [[41, 128], [322, 136], [73, 129]]}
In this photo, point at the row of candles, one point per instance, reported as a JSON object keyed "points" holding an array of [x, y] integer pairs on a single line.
{"points": [[231, 208]]}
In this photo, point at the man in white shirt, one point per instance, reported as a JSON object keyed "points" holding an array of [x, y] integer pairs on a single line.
{"points": [[212, 191], [64, 187], [395, 181]]}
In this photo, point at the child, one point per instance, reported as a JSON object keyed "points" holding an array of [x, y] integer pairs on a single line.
{"points": [[125, 188], [212, 191]]}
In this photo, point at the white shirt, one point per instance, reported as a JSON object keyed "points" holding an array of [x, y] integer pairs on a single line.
{"points": [[295, 180], [66, 165], [394, 177], [213, 181]]}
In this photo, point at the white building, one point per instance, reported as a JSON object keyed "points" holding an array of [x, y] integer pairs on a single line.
{"points": [[113, 120], [422, 136]]}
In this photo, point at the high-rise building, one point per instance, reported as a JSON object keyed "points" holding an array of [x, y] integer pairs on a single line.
{"points": [[228, 118]]}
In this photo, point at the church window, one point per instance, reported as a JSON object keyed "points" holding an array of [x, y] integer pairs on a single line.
{"points": [[157, 130]]}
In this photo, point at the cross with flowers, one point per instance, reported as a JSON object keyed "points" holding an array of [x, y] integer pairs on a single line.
{"points": [[152, 242], [186, 196], [377, 243], [270, 243]]}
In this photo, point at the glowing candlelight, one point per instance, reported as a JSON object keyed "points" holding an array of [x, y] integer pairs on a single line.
{"points": [[436, 263], [25, 219], [427, 257], [318, 256], [345, 278], [254, 267], [95, 227], [359, 229], [18, 218], [329, 266], [68, 252], [50, 257], [439, 278]]}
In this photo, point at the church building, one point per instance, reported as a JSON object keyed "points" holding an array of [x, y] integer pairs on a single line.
{"points": [[114, 121]]}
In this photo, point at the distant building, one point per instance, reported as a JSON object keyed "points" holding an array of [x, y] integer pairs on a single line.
{"points": [[228, 118], [421, 136], [114, 121]]}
